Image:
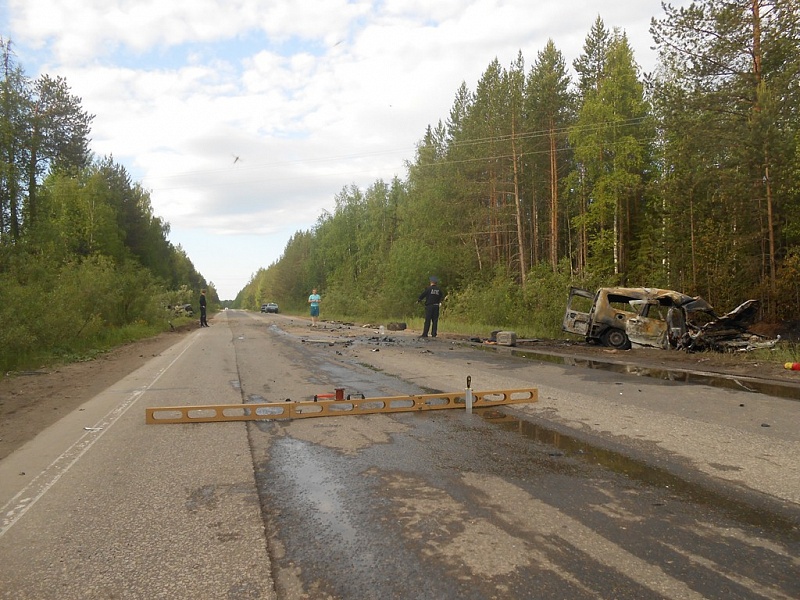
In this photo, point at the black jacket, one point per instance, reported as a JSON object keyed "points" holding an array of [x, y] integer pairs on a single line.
{"points": [[432, 295]]}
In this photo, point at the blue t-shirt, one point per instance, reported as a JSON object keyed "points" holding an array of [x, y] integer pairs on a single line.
{"points": [[314, 299]]}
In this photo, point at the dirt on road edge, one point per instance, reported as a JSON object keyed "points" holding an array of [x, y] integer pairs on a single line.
{"points": [[32, 401]]}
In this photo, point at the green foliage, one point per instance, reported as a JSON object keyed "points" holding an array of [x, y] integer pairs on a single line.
{"points": [[727, 96], [84, 263], [495, 300], [42, 128], [53, 311], [410, 265], [788, 286], [499, 303]]}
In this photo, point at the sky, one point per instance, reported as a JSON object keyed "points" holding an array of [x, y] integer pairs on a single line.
{"points": [[245, 118]]}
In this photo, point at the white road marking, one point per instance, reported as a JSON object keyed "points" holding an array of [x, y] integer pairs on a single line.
{"points": [[28, 496]]}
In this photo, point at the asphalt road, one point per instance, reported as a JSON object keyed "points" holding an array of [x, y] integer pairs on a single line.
{"points": [[611, 486]]}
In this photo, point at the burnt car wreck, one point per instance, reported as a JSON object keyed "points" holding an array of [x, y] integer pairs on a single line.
{"points": [[620, 317]]}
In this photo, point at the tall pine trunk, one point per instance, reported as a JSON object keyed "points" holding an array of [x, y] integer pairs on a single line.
{"points": [[553, 197]]}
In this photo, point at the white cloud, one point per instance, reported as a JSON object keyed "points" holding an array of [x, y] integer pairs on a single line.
{"points": [[311, 96]]}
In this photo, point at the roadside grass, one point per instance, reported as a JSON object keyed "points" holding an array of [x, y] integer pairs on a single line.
{"points": [[447, 325], [783, 352], [455, 327], [82, 349]]}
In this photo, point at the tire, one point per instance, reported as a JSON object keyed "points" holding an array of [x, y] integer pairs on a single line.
{"points": [[616, 338]]}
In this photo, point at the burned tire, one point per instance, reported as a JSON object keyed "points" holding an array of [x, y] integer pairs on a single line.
{"points": [[616, 338]]}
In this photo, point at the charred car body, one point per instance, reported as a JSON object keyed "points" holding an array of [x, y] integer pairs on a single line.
{"points": [[620, 317]]}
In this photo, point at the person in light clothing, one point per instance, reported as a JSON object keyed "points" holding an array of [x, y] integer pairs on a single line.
{"points": [[314, 300]]}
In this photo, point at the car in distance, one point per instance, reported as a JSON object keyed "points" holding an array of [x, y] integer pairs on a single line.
{"points": [[270, 307]]}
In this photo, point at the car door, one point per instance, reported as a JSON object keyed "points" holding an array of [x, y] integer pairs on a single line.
{"points": [[648, 327], [576, 320]]}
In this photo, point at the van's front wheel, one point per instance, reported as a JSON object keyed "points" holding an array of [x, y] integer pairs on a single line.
{"points": [[616, 338]]}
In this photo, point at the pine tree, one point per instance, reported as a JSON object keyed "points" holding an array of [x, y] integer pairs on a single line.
{"points": [[610, 139], [736, 63], [549, 113]]}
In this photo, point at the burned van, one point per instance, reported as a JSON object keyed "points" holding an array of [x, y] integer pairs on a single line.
{"points": [[620, 317]]}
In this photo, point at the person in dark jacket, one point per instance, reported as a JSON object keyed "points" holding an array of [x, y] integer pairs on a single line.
{"points": [[432, 296], [203, 322]]}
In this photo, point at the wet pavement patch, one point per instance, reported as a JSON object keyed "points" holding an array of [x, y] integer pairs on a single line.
{"points": [[639, 470]]}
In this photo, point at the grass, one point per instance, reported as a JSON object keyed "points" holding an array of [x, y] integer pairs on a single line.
{"points": [[85, 349], [782, 353]]}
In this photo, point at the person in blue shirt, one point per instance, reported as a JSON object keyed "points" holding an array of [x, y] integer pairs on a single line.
{"points": [[314, 300], [432, 296]]}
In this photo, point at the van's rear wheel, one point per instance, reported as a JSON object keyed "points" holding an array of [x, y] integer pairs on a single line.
{"points": [[616, 338]]}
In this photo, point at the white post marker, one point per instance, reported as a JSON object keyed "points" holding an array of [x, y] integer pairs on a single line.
{"points": [[468, 395]]}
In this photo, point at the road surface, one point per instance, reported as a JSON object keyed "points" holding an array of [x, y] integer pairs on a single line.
{"points": [[611, 486]]}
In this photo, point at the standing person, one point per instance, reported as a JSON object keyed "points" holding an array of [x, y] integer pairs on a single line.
{"points": [[203, 322], [314, 300], [433, 298]]}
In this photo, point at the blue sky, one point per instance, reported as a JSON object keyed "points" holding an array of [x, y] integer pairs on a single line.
{"points": [[311, 97]]}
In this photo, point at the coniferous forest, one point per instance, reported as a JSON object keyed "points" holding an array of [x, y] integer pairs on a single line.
{"points": [[542, 177], [84, 262], [548, 172]]}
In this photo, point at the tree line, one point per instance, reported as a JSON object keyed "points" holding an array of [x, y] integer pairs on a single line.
{"points": [[84, 261], [685, 178]]}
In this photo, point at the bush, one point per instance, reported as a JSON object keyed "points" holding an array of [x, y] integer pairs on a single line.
{"points": [[51, 311], [536, 310]]}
